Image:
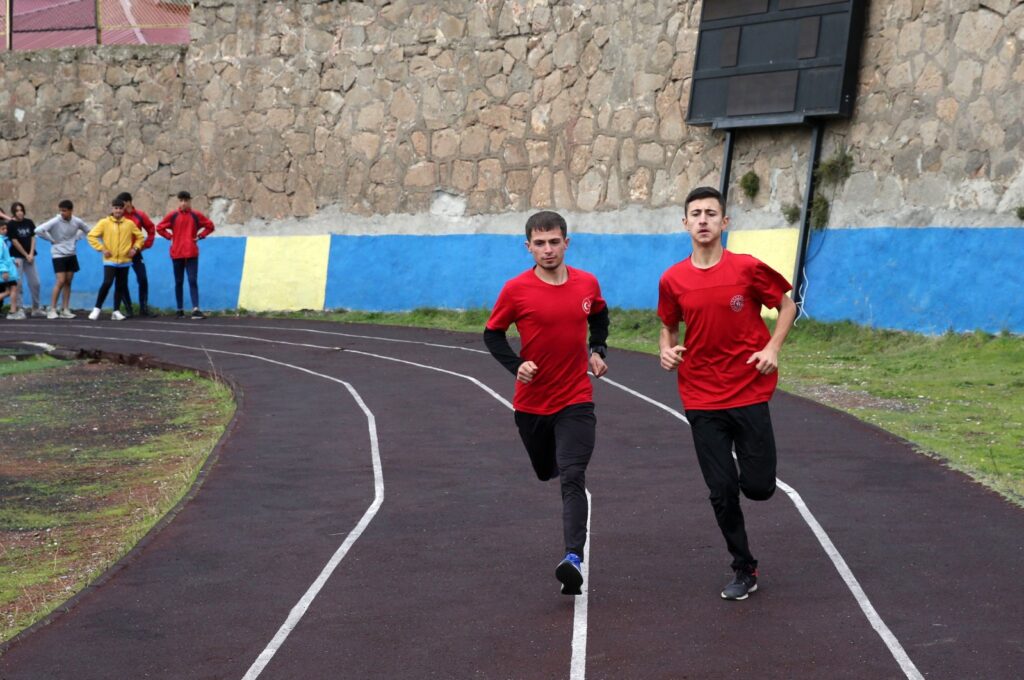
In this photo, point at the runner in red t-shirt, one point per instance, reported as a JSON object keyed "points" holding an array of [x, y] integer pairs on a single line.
{"points": [[552, 306], [727, 368]]}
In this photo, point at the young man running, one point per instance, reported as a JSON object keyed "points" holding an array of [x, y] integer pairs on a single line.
{"points": [[119, 239], [63, 231], [727, 368], [552, 306], [184, 228], [143, 222]]}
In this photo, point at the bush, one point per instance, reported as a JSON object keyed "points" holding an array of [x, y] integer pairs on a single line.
{"points": [[819, 212], [791, 211], [750, 183], [835, 170], [1020, 212]]}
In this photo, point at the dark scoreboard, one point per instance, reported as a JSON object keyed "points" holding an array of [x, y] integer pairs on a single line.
{"points": [[775, 62]]}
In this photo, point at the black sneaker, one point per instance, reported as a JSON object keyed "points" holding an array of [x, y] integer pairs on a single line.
{"points": [[570, 572], [196, 314], [741, 586], [180, 314]]}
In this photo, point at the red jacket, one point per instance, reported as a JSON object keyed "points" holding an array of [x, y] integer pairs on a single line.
{"points": [[142, 220], [184, 229]]}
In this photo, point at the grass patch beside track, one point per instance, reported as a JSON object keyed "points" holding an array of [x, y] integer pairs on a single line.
{"points": [[93, 455], [959, 397]]}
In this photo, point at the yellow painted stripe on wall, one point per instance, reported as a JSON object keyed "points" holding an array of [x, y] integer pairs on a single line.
{"points": [[775, 247], [284, 272]]}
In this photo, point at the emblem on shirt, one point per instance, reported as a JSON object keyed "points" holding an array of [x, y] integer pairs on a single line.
{"points": [[736, 303], [587, 302]]}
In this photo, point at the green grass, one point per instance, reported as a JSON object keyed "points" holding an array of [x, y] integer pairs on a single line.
{"points": [[102, 466], [9, 367], [959, 397]]}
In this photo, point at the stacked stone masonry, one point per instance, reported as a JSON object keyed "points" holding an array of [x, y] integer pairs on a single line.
{"points": [[283, 108]]}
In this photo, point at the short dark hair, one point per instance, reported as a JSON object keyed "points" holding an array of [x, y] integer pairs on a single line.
{"points": [[16, 205], [546, 220], [704, 192], [184, 196], [124, 196], [66, 204], [117, 203]]}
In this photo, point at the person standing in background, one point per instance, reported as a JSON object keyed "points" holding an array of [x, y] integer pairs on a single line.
{"points": [[141, 219], [119, 239], [63, 231], [22, 233], [184, 228], [9, 276]]}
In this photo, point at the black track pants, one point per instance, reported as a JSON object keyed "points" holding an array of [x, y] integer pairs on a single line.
{"points": [[715, 433], [560, 445], [118, 276]]}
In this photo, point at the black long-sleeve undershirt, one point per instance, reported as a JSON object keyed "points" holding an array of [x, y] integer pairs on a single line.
{"points": [[499, 347]]}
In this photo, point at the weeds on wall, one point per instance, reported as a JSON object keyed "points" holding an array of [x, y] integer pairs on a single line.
{"points": [[791, 211], [820, 208], [1020, 212], [830, 174], [750, 183]]}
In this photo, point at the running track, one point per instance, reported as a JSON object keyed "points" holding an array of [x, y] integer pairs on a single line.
{"points": [[371, 514]]}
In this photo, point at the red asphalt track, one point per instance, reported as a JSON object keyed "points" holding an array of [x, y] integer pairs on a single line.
{"points": [[453, 575]]}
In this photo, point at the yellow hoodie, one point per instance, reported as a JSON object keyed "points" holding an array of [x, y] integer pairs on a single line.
{"points": [[118, 236]]}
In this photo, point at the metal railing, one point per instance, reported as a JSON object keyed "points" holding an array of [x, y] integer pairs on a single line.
{"points": [[45, 24]]}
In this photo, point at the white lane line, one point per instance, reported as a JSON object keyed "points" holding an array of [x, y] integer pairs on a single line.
{"points": [[895, 648], [578, 665], [300, 608], [470, 378], [337, 333], [579, 637], [890, 640]]}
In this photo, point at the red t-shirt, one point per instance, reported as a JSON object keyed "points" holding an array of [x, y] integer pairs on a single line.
{"points": [[721, 307], [552, 323]]}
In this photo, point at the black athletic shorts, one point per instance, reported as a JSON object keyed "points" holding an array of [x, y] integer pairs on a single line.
{"points": [[4, 285], [68, 263]]}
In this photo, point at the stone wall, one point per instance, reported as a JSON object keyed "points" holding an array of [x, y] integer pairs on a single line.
{"points": [[485, 107]]}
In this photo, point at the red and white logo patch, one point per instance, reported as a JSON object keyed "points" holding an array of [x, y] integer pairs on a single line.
{"points": [[586, 306], [736, 303]]}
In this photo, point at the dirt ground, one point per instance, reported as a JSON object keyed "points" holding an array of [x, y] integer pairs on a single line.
{"points": [[92, 455]]}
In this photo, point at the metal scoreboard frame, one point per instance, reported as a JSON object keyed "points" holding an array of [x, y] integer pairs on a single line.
{"points": [[763, 63]]}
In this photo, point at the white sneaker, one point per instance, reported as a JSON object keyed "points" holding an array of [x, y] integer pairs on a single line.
{"points": [[117, 315], [38, 313], [16, 316], [94, 314], [52, 314], [67, 314]]}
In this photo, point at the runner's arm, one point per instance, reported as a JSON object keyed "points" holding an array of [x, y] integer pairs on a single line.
{"points": [[497, 344], [598, 323]]}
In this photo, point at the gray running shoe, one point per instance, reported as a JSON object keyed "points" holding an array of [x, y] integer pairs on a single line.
{"points": [[741, 586]]}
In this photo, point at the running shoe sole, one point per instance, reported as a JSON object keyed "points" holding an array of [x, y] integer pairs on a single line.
{"points": [[571, 578]]}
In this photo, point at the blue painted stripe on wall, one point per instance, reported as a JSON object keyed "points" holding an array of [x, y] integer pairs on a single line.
{"points": [[928, 280], [399, 272], [220, 275]]}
